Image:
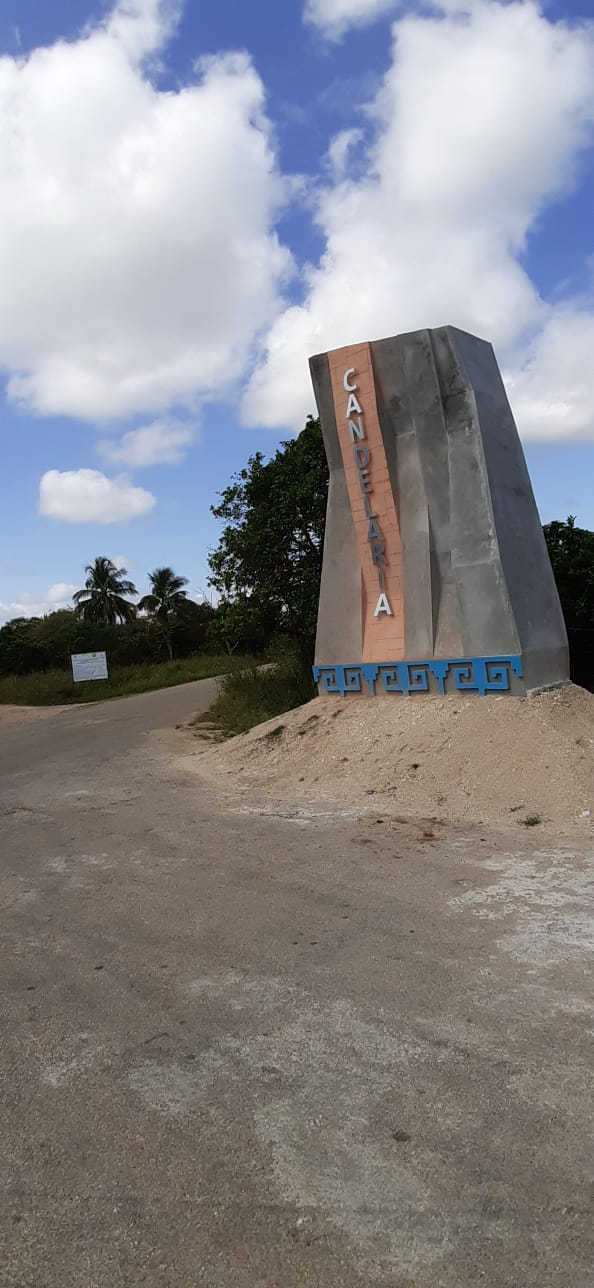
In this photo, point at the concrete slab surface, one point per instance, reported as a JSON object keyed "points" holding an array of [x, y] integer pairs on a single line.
{"points": [[249, 1049]]}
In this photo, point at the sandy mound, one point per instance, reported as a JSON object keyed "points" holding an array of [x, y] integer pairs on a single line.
{"points": [[493, 760]]}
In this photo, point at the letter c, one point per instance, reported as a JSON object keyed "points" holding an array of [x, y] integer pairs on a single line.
{"points": [[349, 388]]}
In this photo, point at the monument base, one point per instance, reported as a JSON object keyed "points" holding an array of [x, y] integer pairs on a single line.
{"points": [[439, 676]]}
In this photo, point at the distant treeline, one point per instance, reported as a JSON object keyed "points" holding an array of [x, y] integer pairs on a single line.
{"points": [[40, 644]]}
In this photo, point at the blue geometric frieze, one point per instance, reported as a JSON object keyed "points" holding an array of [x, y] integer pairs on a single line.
{"points": [[455, 675]]}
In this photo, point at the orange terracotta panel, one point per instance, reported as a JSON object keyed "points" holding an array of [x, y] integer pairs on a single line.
{"points": [[383, 636]]}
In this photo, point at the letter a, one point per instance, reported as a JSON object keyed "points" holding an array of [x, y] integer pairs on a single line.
{"points": [[352, 406], [382, 606]]}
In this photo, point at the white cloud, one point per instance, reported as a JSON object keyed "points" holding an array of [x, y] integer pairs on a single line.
{"points": [[552, 390], [335, 17], [30, 605], [340, 150], [60, 593], [163, 442], [87, 496], [477, 127], [138, 257], [141, 26]]}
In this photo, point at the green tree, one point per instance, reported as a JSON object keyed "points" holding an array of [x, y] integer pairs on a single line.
{"points": [[103, 597], [191, 628], [165, 601], [240, 626], [571, 551], [56, 632], [267, 565], [20, 653]]}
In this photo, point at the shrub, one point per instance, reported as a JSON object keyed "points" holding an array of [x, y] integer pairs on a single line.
{"points": [[251, 695]]}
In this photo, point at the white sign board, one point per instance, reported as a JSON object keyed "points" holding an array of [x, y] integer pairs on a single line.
{"points": [[88, 666]]}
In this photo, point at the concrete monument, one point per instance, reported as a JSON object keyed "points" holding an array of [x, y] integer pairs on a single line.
{"points": [[436, 576]]}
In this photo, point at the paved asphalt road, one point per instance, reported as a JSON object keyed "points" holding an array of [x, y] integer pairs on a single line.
{"points": [[242, 1049]]}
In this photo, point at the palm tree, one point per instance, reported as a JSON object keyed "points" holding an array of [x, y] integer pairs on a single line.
{"points": [[164, 601], [103, 598]]}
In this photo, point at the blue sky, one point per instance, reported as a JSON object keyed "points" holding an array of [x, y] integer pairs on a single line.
{"points": [[189, 195]]}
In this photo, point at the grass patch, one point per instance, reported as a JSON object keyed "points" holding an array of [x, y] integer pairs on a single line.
{"points": [[55, 688], [250, 696], [532, 820]]}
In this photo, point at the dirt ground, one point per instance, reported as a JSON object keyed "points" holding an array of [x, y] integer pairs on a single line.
{"points": [[256, 1043], [26, 715], [491, 762]]}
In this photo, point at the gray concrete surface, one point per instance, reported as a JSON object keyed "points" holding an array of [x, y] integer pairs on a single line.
{"points": [[263, 1049], [476, 575], [340, 618]]}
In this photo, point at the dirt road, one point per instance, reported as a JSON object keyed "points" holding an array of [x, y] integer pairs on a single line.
{"points": [[248, 1050]]}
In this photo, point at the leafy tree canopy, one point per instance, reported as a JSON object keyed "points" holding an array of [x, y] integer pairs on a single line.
{"points": [[268, 562], [571, 551]]}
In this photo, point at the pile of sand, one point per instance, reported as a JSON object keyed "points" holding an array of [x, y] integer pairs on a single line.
{"points": [[491, 760]]}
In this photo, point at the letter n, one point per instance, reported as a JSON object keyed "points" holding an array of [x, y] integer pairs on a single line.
{"points": [[356, 430]]}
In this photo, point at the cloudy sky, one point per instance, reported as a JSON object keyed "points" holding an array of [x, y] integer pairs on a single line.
{"points": [[196, 196]]}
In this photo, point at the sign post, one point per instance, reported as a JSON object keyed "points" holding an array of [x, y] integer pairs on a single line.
{"points": [[88, 666]]}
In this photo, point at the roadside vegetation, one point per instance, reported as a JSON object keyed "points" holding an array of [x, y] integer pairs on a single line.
{"points": [[265, 578], [56, 688], [249, 696]]}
